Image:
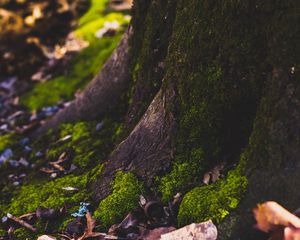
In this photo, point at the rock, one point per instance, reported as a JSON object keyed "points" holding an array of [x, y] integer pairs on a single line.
{"points": [[202, 231], [24, 162], [16, 183], [46, 237], [14, 163], [46, 213], [156, 233], [99, 126], [8, 153]]}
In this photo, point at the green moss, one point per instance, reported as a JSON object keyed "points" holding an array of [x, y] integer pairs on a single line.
{"points": [[213, 201], [7, 141], [217, 81], [49, 194], [95, 173], [124, 198], [85, 65], [24, 234], [149, 47], [184, 173], [96, 7], [88, 145], [2, 233]]}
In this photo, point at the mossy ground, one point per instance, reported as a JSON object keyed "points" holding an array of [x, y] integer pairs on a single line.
{"points": [[49, 194], [182, 175], [7, 141], [87, 145], [213, 201], [124, 198], [85, 65], [90, 147]]}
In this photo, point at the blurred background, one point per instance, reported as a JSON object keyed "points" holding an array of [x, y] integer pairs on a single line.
{"points": [[49, 51]]}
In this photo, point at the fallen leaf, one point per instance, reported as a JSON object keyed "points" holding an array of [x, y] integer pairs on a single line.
{"points": [[91, 223], [121, 5], [206, 178], [270, 214], [291, 233]]}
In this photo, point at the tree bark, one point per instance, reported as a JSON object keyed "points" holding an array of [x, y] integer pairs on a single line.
{"points": [[101, 95], [148, 150], [223, 79]]}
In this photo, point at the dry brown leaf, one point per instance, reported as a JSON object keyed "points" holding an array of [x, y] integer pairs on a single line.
{"points": [[206, 178], [57, 166], [291, 233], [121, 5], [270, 214], [91, 223]]}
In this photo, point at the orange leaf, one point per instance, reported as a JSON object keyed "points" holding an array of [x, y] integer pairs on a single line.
{"points": [[270, 214]]}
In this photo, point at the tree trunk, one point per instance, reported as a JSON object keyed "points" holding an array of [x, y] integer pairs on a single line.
{"points": [[215, 77], [102, 94]]}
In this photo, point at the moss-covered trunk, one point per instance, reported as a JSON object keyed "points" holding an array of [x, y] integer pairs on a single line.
{"points": [[233, 68]]}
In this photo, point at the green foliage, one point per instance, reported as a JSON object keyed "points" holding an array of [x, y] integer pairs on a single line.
{"points": [[85, 65], [213, 201], [124, 198], [49, 194]]}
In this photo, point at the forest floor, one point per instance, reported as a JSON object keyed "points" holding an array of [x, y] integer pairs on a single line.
{"points": [[33, 174], [49, 53]]}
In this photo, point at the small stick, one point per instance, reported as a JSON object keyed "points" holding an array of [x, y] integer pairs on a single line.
{"points": [[27, 215], [57, 166], [65, 236], [47, 170], [22, 222]]}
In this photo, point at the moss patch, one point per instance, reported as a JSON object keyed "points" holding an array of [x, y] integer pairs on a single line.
{"points": [[49, 194], [85, 65], [213, 201], [87, 145], [7, 141], [22, 233], [181, 176], [124, 198]]}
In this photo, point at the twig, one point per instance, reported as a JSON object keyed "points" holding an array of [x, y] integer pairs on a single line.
{"points": [[57, 166], [27, 215], [47, 170], [22, 222], [65, 236]]}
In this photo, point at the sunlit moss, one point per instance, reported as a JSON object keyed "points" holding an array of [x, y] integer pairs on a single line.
{"points": [[87, 145], [125, 196], [24, 234], [213, 201], [49, 194], [85, 65], [183, 173], [7, 141]]}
